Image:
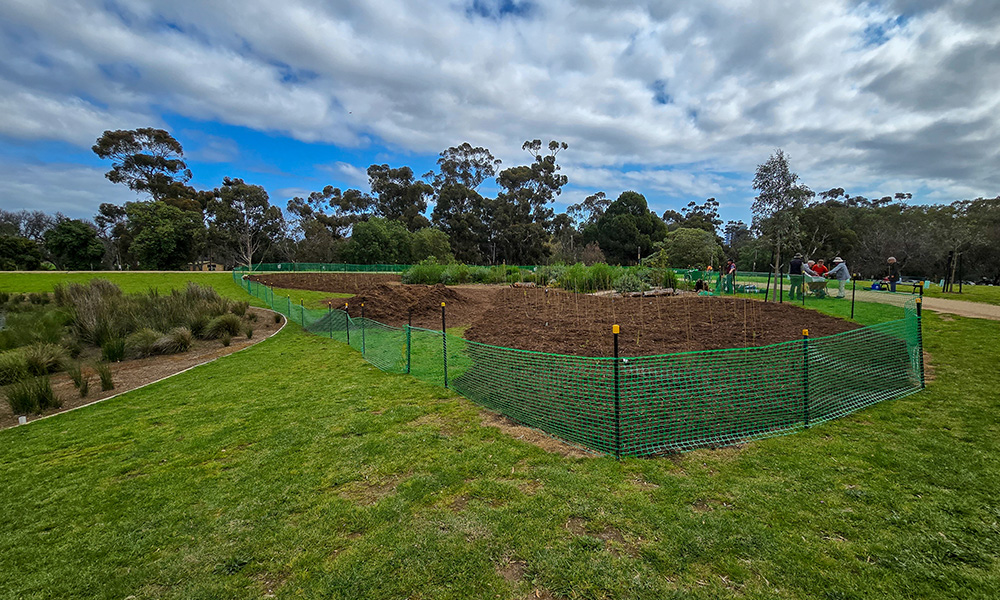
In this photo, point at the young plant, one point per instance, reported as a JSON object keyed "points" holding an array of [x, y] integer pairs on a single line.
{"points": [[43, 359], [228, 324], [178, 339], [249, 331], [32, 395], [103, 370], [226, 339], [141, 343], [113, 350], [13, 367]]}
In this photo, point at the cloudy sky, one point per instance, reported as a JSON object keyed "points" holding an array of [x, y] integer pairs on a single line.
{"points": [[677, 100]]}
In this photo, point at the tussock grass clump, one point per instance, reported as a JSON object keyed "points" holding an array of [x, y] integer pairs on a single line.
{"points": [[249, 331], [113, 350], [79, 378], [239, 307], [43, 359], [228, 324], [198, 326], [178, 339], [32, 395], [226, 339], [13, 367], [277, 318], [103, 371], [141, 343]]}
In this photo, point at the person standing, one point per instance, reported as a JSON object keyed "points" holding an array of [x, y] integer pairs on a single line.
{"points": [[795, 275], [893, 273], [820, 268], [841, 274], [730, 277]]}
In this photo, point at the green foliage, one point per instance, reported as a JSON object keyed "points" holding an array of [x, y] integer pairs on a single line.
{"points": [[19, 254], [103, 370], [145, 159], [249, 331], [42, 358], [79, 378], [628, 229], [379, 241], [178, 339], [113, 350], [243, 221], [430, 272], [74, 245], [239, 308], [430, 243], [629, 282], [31, 395], [692, 247], [13, 366], [140, 344], [224, 325], [28, 324], [581, 278], [163, 237], [226, 339], [427, 271]]}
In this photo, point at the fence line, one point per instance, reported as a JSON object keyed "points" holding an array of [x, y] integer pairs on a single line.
{"points": [[668, 403]]}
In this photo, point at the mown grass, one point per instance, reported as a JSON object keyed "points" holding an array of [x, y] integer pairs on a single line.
{"points": [[130, 283], [970, 293], [297, 469]]}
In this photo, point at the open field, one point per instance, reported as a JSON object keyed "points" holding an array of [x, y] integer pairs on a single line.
{"points": [[970, 293], [296, 469], [129, 282]]}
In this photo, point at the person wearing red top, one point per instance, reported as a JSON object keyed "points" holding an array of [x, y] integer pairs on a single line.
{"points": [[820, 268]]}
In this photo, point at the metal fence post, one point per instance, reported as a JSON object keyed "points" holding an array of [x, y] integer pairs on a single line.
{"points": [[362, 329], [329, 317], [805, 374], [347, 323], [618, 422], [444, 345], [409, 325], [854, 288], [920, 338], [302, 312]]}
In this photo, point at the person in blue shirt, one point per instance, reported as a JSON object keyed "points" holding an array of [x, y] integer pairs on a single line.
{"points": [[841, 274]]}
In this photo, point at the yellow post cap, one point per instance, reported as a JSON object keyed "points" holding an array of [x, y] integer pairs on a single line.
{"points": [[920, 300], [615, 329], [362, 304], [442, 304], [805, 332]]}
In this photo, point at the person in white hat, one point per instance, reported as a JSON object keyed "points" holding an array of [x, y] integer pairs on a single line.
{"points": [[841, 274]]}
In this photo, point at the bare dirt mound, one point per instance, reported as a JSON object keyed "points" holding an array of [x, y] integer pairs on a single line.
{"points": [[566, 323], [348, 283], [390, 304]]}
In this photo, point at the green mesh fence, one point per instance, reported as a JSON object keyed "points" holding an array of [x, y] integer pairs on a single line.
{"points": [[649, 405], [331, 267]]}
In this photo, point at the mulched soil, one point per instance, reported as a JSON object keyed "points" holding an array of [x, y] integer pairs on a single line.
{"points": [[578, 324], [325, 282], [389, 304], [566, 323], [130, 374]]}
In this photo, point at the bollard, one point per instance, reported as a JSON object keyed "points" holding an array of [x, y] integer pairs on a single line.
{"points": [[444, 345], [805, 375], [615, 330]]}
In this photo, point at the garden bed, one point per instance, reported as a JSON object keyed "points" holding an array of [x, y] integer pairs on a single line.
{"points": [[131, 374]]}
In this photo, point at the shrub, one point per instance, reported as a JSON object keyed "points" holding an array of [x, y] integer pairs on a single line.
{"points": [[628, 283], [224, 324], [141, 343], [252, 317], [113, 350], [199, 326], [84, 387], [277, 318], [80, 379], [239, 307], [455, 273], [38, 298], [13, 367], [103, 370], [427, 271], [32, 395], [43, 359], [4, 297], [226, 339], [249, 331], [178, 339]]}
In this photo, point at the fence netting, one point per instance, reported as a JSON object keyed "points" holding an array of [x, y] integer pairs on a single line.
{"points": [[649, 405]]}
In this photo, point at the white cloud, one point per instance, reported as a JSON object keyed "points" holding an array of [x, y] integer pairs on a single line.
{"points": [[348, 174], [684, 95], [75, 191]]}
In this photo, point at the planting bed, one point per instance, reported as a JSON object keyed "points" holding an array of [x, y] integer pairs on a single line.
{"points": [[130, 374], [325, 282], [577, 324]]}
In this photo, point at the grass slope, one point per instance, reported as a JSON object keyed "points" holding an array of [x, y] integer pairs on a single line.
{"points": [[26, 282], [297, 469]]}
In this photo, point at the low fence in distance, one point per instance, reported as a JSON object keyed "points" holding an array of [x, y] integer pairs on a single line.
{"points": [[649, 405], [330, 267]]}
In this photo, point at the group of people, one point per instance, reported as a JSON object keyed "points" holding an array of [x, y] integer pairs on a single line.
{"points": [[798, 270]]}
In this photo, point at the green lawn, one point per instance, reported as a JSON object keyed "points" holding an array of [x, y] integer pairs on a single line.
{"points": [[295, 468], [970, 293], [26, 282]]}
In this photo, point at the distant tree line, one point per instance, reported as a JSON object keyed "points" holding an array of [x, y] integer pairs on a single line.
{"points": [[443, 215]]}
